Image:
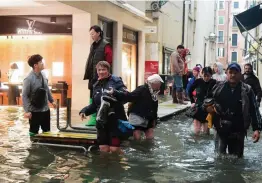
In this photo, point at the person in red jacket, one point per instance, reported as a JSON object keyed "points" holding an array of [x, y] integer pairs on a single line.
{"points": [[100, 50]]}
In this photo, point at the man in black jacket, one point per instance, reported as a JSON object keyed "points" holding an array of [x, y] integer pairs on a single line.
{"points": [[235, 109], [250, 79], [108, 135]]}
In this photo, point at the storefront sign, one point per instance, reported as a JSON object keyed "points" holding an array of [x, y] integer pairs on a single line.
{"points": [[36, 25], [30, 30], [150, 29], [151, 67], [129, 36]]}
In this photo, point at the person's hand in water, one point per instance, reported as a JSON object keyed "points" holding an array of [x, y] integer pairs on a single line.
{"points": [[256, 136], [83, 116], [28, 115]]}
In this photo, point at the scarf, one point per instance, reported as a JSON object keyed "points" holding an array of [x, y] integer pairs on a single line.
{"points": [[154, 94]]}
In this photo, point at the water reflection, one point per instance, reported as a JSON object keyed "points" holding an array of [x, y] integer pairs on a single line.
{"points": [[175, 155]]}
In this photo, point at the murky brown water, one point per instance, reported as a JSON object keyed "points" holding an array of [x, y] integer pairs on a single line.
{"points": [[174, 156]]}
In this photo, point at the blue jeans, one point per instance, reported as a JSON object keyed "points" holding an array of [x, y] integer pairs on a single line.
{"points": [[178, 83]]}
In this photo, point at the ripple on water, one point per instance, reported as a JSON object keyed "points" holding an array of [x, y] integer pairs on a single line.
{"points": [[174, 156]]}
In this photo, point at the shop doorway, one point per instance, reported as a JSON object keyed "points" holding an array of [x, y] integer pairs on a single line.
{"points": [[23, 36], [129, 59]]}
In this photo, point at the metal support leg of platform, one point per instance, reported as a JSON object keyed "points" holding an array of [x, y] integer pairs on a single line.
{"points": [[62, 145]]}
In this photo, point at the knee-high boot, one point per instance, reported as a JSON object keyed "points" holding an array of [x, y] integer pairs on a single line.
{"points": [[174, 96], [92, 120], [180, 98]]}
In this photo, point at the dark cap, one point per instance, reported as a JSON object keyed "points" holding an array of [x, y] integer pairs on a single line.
{"points": [[234, 66]]}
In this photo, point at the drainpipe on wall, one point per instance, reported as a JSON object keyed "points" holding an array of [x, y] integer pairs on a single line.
{"points": [[205, 52], [183, 21]]}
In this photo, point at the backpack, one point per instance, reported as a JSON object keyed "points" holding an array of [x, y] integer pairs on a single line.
{"points": [[38, 97]]}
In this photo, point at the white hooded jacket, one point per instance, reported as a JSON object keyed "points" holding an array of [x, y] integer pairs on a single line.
{"points": [[220, 75]]}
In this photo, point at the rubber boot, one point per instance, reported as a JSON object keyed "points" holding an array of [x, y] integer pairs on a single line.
{"points": [[92, 120], [31, 134], [185, 97], [180, 98], [175, 101]]}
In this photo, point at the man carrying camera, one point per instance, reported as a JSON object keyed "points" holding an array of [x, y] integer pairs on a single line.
{"points": [[36, 95], [234, 110]]}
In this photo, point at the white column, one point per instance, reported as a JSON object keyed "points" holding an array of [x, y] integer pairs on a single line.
{"points": [[141, 57], [117, 48], [80, 51]]}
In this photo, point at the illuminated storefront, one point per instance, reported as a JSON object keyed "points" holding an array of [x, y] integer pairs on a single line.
{"points": [[129, 59], [22, 36]]}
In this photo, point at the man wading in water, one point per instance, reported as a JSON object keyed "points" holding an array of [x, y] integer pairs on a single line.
{"points": [[234, 110]]}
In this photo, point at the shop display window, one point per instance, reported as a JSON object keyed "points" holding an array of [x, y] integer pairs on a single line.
{"points": [[129, 62]]}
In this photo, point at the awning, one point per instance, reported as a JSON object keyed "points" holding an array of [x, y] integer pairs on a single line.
{"points": [[249, 19]]}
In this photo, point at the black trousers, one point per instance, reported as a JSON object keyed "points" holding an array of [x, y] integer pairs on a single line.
{"points": [[233, 142], [40, 119]]}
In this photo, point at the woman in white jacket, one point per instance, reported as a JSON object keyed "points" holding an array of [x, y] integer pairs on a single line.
{"points": [[219, 72]]}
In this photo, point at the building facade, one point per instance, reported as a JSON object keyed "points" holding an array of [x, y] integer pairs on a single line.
{"points": [[165, 33], [204, 44], [123, 24], [230, 42]]}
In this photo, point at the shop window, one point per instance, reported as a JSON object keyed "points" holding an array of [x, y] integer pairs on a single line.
{"points": [[129, 59], [58, 69], [166, 60], [129, 65]]}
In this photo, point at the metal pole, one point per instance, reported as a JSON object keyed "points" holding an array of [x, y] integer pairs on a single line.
{"points": [[228, 7], [69, 122], [57, 117], [61, 145], [205, 47]]}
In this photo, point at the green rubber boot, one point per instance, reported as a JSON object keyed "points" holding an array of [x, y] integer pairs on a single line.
{"points": [[31, 134], [92, 120]]}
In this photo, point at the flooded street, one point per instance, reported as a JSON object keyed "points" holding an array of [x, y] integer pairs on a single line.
{"points": [[174, 156]]}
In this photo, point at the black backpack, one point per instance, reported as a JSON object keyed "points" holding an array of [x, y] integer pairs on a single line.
{"points": [[38, 98]]}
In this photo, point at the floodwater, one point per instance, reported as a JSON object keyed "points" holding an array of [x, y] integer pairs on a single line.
{"points": [[175, 155]]}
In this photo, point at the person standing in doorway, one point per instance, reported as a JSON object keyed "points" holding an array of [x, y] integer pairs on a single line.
{"points": [[100, 50], [35, 96], [177, 67], [250, 79]]}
